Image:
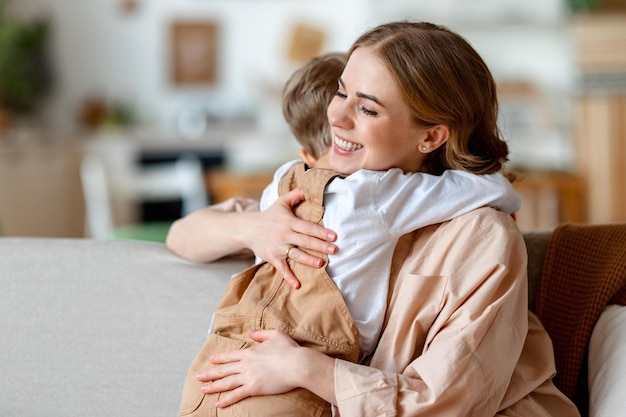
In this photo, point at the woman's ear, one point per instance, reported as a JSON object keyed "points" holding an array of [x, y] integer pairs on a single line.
{"points": [[307, 158], [436, 136]]}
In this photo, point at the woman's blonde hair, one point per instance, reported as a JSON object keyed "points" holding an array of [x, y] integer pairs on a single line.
{"points": [[306, 97], [444, 81]]}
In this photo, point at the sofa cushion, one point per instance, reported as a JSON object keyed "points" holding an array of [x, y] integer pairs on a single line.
{"points": [[100, 328], [607, 364]]}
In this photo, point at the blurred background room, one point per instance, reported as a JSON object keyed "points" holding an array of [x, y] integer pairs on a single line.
{"points": [[118, 116]]}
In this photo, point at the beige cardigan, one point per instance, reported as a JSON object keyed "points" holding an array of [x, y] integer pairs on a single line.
{"points": [[458, 339]]}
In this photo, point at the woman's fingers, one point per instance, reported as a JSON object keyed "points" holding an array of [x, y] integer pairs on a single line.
{"points": [[232, 397], [287, 273], [314, 230], [232, 388], [314, 237], [305, 258], [292, 198], [309, 235], [281, 236]]}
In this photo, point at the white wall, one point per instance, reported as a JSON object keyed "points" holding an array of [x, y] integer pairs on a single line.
{"points": [[100, 51]]}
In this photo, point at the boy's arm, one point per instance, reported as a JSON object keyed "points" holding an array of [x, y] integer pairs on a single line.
{"points": [[411, 201], [492, 190]]}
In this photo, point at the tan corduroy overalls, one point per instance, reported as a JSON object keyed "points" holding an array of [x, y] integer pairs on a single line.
{"points": [[315, 315]]}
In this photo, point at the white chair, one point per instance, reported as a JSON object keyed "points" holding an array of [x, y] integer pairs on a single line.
{"points": [[112, 195]]}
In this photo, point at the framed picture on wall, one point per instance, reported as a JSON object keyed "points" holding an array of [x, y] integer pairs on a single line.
{"points": [[305, 42], [193, 52]]}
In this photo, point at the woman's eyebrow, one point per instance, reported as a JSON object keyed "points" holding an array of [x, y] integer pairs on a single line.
{"points": [[369, 97], [363, 95]]}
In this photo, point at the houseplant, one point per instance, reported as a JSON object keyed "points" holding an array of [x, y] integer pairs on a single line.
{"points": [[25, 76]]}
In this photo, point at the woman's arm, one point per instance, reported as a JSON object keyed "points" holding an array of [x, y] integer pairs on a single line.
{"points": [[209, 234], [198, 237]]}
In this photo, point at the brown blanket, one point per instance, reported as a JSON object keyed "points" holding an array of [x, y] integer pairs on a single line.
{"points": [[584, 270]]}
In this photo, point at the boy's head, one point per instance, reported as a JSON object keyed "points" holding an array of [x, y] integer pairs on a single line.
{"points": [[306, 96]]}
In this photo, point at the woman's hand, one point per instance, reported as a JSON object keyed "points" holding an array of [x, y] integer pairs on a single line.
{"points": [[213, 232], [275, 366], [266, 368], [277, 234]]}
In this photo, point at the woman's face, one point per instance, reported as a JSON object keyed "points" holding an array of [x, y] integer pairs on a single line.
{"points": [[371, 124]]}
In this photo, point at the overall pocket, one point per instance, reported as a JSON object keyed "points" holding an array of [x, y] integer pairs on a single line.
{"points": [[192, 398], [299, 402]]}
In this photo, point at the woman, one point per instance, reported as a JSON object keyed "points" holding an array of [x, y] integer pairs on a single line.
{"points": [[457, 338]]}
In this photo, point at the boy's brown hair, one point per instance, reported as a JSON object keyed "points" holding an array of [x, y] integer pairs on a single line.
{"points": [[306, 96]]}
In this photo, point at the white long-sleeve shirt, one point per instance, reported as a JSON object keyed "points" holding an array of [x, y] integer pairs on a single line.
{"points": [[371, 210]]}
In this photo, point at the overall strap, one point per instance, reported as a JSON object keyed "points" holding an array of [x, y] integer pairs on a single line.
{"points": [[313, 182]]}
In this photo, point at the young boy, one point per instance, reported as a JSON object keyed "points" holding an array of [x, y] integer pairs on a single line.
{"points": [[340, 316]]}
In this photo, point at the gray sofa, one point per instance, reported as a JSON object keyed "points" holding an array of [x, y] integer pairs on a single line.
{"points": [[108, 328], [100, 328]]}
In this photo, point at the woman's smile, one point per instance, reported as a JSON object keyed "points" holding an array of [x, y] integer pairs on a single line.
{"points": [[347, 146]]}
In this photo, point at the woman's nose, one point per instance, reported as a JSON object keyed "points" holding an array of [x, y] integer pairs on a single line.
{"points": [[337, 113]]}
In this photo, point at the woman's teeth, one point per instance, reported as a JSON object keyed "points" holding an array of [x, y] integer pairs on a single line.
{"points": [[347, 146]]}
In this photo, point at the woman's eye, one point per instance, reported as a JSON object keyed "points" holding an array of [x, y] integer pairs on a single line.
{"points": [[368, 112], [340, 94]]}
